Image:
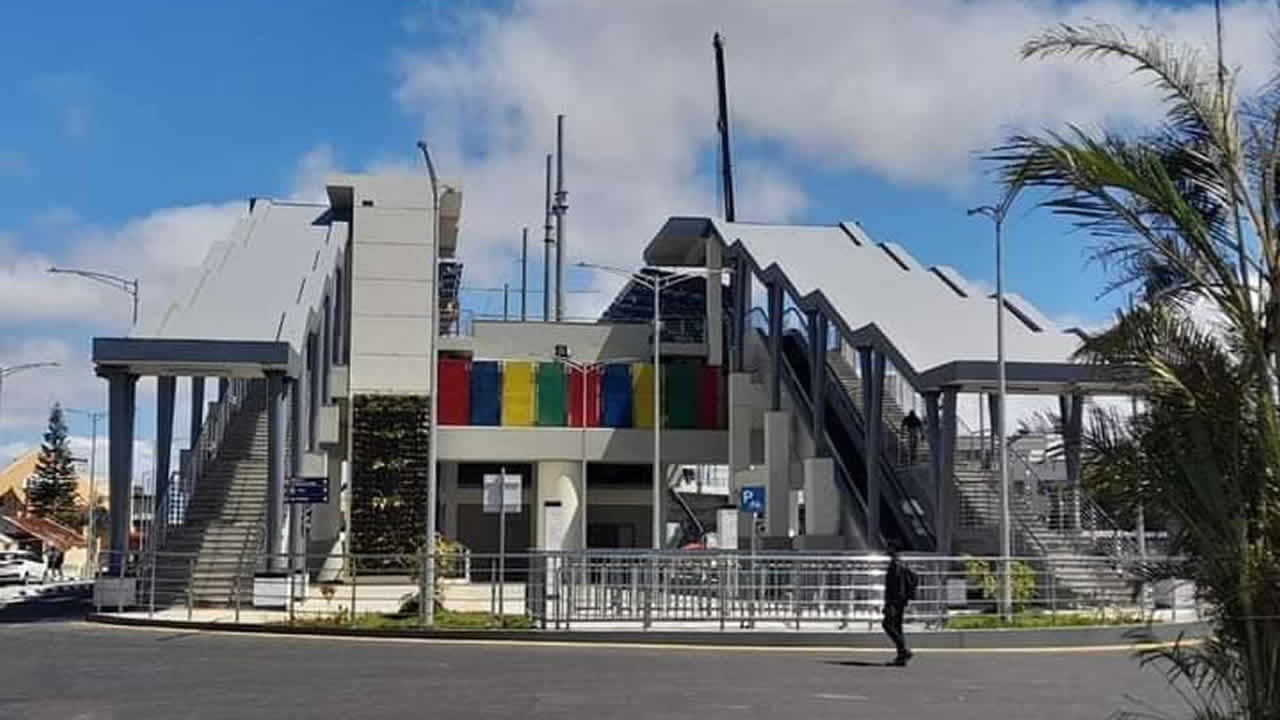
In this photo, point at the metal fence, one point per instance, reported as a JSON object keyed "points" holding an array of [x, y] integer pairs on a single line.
{"points": [[707, 590]]}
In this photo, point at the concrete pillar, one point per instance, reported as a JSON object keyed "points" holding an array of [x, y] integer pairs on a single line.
{"points": [[740, 413], [1072, 409], [449, 493], [818, 383], [558, 481], [872, 365], [777, 458], [224, 387], [295, 543], [121, 397], [741, 284], [326, 353], [947, 502], [275, 470], [933, 435], [314, 388], [775, 346], [715, 303], [822, 501], [166, 391], [197, 408]]}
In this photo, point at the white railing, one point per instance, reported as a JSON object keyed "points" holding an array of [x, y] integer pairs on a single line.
{"points": [[705, 589]]}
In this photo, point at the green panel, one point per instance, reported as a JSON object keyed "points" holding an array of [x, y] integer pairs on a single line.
{"points": [[681, 395], [552, 394]]}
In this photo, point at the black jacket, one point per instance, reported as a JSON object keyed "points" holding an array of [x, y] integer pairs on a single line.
{"points": [[895, 584]]}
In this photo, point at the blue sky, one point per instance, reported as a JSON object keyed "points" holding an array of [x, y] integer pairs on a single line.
{"points": [[134, 132]]}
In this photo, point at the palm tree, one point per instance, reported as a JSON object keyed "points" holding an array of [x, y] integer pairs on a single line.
{"points": [[1186, 214]]}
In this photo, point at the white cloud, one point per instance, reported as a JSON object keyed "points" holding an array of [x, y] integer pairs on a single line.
{"points": [[909, 92]]}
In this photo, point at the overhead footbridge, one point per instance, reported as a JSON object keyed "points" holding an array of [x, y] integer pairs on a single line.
{"points": [[831, 338]]}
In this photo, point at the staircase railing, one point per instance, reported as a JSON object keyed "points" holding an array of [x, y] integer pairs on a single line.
{"points": [[209, 440]]}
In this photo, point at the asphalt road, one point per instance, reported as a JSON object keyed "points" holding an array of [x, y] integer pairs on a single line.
{"points": [[75, 670]]}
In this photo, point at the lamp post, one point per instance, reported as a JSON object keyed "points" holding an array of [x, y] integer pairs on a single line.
{"points": [[997, 214], [585, 369], [91, 536], [427, 600], [15, 369], [656, 283], [115, 281]]}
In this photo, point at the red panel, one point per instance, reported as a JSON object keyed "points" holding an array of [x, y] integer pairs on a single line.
{"points": [[454, 378], [575, 398], [709, 398]]}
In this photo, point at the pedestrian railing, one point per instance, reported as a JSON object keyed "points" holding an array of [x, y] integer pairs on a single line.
{"points": [[710, 590]]}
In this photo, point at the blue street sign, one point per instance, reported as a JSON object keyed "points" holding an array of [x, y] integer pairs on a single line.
{"points": [[307, 491], [751, 499]]}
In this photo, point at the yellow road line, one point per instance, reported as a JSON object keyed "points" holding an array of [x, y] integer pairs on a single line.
{"points": [[708, 647]]}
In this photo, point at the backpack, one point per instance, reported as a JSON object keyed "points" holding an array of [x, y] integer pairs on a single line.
{"points": [[910, 582]]}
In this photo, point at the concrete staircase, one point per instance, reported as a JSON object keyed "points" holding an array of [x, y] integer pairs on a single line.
{"points": [[211, 555], [1069, 569]]}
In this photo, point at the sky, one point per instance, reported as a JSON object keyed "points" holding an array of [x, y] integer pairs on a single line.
{"points": [[134, 134]]}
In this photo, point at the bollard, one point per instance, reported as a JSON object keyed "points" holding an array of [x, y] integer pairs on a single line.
{"points": [[354, 577]]}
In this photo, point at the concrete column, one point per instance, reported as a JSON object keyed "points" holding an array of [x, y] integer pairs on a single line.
{"points": [[224, 387], [314, 389], [821, 498], [777, 458], [449, 494], [715, 303], [933, 435], [297, 397], [741, 284], [326, 352], [121, 396], [275, 470], [740, 413], [1072, 409], [558, 481], [775, 346], [166, 390], [818, 383], [947, 470], [872, 365], [197, 408]]}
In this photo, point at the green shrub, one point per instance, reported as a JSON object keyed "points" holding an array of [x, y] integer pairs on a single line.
{"points": [[979, 574]]}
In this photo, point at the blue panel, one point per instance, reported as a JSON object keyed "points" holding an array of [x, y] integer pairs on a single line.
{"points": [[615, 392], [486, 393]]}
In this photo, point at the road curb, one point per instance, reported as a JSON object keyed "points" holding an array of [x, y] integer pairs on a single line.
{"points": [[1046, 640]]}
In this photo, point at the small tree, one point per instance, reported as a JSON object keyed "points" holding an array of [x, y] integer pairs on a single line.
{"points": [[53, 494]]}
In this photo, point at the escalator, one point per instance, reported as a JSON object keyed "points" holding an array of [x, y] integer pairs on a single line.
{"points": [[902, 517]]}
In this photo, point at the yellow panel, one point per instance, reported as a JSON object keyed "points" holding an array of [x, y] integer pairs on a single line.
{"points": [[642, 395], [517, 393]]}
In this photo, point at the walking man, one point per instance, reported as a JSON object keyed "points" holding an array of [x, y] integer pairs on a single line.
{"points": [[912, 425], [900, 584]]}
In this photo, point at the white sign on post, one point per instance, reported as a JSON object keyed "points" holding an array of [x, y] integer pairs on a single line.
{"points": [[508, 501]]}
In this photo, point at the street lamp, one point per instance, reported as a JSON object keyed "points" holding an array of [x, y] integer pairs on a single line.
{"points": [[426, 602], [656, 283], [15, 369], [997, 214], [91, 538], [585, 369], [115, 281]]}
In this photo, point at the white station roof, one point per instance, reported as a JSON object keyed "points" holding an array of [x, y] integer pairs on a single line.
{"points": [[931, 316]]}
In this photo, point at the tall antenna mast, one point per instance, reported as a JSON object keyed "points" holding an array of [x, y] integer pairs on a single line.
{"points": [[722, 124], [524, 275], [561, 207], [548, 239]]}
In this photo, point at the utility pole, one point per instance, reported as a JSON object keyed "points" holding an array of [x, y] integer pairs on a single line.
{"points": [[722, 124], [548, 240], [561, 207], [524, 275], [426, 602]]}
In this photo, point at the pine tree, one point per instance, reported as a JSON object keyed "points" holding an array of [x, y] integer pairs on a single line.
{"points": [[53, 494]]}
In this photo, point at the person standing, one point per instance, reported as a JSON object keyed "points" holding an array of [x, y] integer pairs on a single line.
{"points": [[900, 584]]}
